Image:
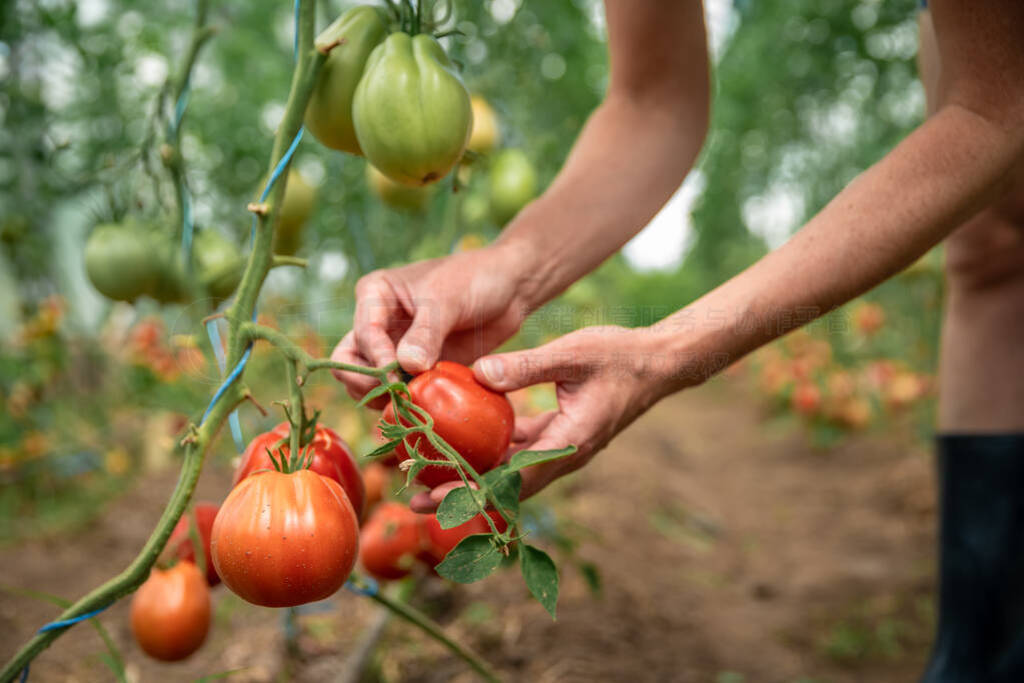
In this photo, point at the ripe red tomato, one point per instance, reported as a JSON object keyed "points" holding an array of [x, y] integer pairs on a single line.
{"points": [[282, 540], [441, 541], [332, 458], [391, 540], [180, 542], [171, 612], [377, 479], [474, 420]]}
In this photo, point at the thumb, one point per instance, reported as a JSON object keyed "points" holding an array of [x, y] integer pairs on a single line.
{"points": [[554, 362], [420, 346]]}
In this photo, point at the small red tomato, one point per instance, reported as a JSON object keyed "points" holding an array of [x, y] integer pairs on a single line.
{"points": [[377, 479], [171, 612], [332, 458], [391, 539], [282, 540], [474, 420], [806, 399], [440, 541], [180, 542]]}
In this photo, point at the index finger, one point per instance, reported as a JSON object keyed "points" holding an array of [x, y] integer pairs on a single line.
{"points": [[377, 308]]}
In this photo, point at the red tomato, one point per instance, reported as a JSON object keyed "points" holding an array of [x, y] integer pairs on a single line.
{"points": [[282, 540], [377, 479], [474, 420], [180, 542], [391, 539], [441, 541], [171, 612], [332, 458]]}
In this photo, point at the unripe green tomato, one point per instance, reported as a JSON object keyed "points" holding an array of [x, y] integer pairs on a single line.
{"points": [[411, 111], [513, 184], [219, 263], [169, 286], [397, 195], [475, 209], [329, 114], [118, 260], [299, 196]]}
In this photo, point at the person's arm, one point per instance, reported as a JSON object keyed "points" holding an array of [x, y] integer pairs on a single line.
{"points": [[944, 172], [633, 153]]}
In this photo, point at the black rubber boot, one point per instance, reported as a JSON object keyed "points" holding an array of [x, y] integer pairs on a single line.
{"points": [[980, 635]]}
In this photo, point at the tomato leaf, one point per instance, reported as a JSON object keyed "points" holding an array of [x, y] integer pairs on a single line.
{"points": [[591, 575], [459, 506], [540, 575], [528, 458], [373, 393], [383, 450], [474, 558], [506, 487]]}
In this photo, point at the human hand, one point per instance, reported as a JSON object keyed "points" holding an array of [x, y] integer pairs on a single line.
{"points": [[605, 378], [457, 308]]}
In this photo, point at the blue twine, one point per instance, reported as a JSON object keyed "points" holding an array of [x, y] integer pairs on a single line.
{"points": [[370, 590], [24, 675], [227, 382], [54, 625], [218, 351]]}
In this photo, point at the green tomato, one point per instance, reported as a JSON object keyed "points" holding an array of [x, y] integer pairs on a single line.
{"points": [[119, 260], [218, 262], [513, 184], [411, 111], [397, 195], [329, 114], [169, 285]]}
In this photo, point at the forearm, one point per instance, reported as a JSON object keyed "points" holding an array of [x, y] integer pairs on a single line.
{"points": [[940, 175], [629, 159]]}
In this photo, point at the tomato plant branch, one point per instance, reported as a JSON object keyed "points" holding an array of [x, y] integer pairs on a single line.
{"points": [[253, 331], [428, 625]]}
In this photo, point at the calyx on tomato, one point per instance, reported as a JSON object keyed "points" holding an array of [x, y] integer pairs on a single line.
{"points": [[329, 114], [472, 419], [411, 111], [331, 457]]}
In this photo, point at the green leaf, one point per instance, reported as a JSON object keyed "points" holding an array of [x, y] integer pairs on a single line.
{"points": [[373, 393], [540, 575], [528, 458], [459, 506], [506, 487], [474, 558], [383, 450], [389, 430]]}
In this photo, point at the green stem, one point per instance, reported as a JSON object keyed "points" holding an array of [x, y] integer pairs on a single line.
{"points": [[431, 628], [253, 331], [296, 414]]}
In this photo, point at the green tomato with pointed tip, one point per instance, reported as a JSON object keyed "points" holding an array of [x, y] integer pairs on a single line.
{"points": [[329, 114], [512, 184], [411, 110]]}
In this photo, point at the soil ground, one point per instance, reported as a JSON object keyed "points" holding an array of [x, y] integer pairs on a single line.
{"points": [[727, 554]]}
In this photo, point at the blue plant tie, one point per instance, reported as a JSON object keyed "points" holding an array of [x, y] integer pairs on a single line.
{"points": [[370, 589], [54, 625], [213, 331]]}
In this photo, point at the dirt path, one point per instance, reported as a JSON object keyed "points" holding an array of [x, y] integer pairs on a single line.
{"points": [[726, 554]]}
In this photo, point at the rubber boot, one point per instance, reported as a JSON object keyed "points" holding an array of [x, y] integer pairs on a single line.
{"points": [[980, 636]]}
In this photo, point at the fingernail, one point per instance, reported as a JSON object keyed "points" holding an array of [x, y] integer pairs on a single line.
{"points": [[493, 370], [414, 355]]}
